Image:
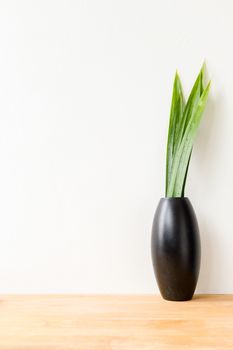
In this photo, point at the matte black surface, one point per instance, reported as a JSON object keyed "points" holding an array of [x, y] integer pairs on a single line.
{"points": [[175, 248]]}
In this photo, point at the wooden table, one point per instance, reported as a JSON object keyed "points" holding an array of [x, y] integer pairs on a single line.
{"points": [[68, 322]]}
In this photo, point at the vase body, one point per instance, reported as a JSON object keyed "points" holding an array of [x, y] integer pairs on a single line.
{"points": [[175, 248]]}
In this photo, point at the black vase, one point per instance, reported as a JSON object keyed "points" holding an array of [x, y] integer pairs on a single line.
{"points": [[176, 248]]}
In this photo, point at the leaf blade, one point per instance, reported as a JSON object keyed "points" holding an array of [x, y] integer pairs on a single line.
{"points": [[193, 99], [181, 161], [176, 111]]}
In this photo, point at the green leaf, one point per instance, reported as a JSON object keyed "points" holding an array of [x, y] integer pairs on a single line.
{"points": [[186, 173], [190, 107], [177, 107], [182, 156]]}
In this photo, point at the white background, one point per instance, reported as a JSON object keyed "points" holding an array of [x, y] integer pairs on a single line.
{"points": [[85, 90]]}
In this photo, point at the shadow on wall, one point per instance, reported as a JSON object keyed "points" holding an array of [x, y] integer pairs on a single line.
{"points": [[207, 278], [207, 143]]}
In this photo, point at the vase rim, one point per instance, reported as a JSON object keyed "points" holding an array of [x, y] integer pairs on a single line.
{"points": [[174, 198]]}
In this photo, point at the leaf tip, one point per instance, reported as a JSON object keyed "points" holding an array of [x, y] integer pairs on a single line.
{"points": [[203, 67], [177, 75], [208, 85]]}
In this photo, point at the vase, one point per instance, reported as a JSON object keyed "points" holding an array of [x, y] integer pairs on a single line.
{"points": [[176, 248]]}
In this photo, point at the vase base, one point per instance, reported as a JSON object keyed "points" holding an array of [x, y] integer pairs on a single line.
{"points": [[177, 300], [177, 297]]}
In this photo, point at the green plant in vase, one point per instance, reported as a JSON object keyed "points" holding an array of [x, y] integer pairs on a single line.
{"points": [[175, 241], [184, 122]]}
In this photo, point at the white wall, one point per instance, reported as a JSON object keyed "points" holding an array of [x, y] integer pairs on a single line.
{"points": [[85, 89]]}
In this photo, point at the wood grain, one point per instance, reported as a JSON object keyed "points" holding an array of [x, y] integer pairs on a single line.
{"points": [[71, 322]]}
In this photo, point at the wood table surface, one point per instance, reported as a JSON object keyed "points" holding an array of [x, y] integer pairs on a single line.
{"points": [[133, 322]]}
